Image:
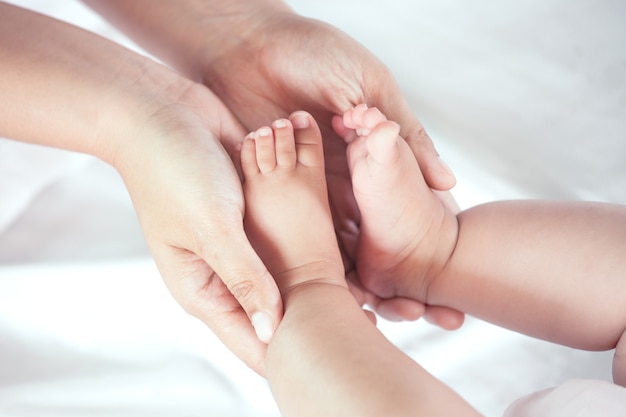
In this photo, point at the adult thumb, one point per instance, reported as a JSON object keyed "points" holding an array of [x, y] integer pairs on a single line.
{"points": [[248, 280], [436, 173]]}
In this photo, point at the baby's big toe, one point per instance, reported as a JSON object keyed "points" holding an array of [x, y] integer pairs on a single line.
{"points": [[285, 143]]}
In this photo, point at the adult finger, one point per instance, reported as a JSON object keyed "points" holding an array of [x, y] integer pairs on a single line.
{"points": [[201, 292], [248, 280], [399, 309], [444, 317], [390, 101]]}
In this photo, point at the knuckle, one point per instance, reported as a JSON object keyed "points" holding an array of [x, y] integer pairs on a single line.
{"points": [[241, 289], [421, 136]]}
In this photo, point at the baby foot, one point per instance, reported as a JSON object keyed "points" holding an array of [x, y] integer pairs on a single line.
{"points": [[287, 217], [401, 243]]}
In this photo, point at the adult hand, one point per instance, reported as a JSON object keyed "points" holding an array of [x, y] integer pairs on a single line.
{"points": [[170, 140], [284, 62], [264, 62], [189, 200]]}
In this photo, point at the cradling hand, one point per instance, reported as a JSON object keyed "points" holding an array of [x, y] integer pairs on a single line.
{"points": [[280, 62], [188, 197]]}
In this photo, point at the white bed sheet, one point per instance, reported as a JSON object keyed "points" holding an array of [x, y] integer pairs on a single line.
{"points": [[523, 100]]}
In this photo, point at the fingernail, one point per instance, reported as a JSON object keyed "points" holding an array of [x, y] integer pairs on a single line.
{"points": [[262, 324], [300, 121]]}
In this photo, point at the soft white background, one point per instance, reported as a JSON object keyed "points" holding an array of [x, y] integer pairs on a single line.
{"points": [[523, 100]]}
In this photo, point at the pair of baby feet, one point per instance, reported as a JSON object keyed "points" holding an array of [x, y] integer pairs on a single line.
{"points": [[288, 219]]}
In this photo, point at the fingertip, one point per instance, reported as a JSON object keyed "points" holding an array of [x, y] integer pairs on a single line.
{"points": [[444, 317], [264, 326], [436, 172], [443, 179], [400, 309], [251, 285]]}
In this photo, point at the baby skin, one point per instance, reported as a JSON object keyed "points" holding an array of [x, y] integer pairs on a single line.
{"points": [[552, 270], [287, 203], [406, 233], [326, 357]]}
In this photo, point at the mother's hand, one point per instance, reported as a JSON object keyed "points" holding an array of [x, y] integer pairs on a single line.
{"points": [[279, 62], [170, 140], [189, 200]]}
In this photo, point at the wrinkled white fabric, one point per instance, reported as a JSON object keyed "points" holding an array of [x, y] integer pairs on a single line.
{"points": [[574, 398]]}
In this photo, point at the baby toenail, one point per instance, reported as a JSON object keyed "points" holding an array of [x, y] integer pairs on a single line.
{"points": [[300, 121], [279, 124], [264, 131]]}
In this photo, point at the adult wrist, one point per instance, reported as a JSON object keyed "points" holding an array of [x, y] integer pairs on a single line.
{"points": [[142, 89], [188, 34], [72, 89]]}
